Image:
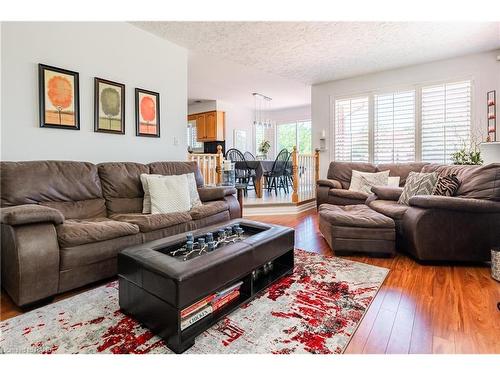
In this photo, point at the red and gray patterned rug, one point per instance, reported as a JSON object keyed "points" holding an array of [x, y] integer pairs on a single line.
{"points": [[316, 310]]}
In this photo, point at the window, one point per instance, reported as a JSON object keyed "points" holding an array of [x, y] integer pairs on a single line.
{"points": [[427, 123], [351, 129], [192, 143], [264, 134], [446, 120], [297, 134], [394, 127]]}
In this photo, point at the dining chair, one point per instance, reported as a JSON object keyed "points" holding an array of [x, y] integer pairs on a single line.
{"points": [[243, 175], [249, 156], [276, 178]]}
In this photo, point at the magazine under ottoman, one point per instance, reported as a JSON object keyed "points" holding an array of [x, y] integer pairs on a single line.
{"points": [[178, 291]]}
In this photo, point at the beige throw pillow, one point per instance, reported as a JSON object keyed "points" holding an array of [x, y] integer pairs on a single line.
{"points": [[193, 191], [363, 181], [169, 194]]}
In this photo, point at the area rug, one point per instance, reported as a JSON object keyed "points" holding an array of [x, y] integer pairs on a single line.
{"points": [[315, 310]]}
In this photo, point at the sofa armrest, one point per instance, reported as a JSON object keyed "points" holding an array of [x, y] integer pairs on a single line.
{"points": [[30, 214], [30, 261], [455, 203], [333, 184], [215, 193], [387, 193]]}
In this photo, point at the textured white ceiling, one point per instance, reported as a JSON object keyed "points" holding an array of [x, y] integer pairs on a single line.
{"points": [[314, 52]]}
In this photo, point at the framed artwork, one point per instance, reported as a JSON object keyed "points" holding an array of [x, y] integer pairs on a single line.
{"points": [[109, 106], [59, 98], [240, 140], [147, 113]]}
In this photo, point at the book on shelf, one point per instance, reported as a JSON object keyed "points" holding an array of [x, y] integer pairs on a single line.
{"points": [[197, 305], [196, 316], [219, 303], [228, 290]]}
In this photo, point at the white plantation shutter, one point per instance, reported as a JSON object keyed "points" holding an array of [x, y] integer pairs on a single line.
{"points": [[446, 120], [394, 127], [351, 129], [191, 138]]}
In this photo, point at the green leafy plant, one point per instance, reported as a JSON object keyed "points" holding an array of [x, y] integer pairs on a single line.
{"points": [[467, 155], [264, 147]]}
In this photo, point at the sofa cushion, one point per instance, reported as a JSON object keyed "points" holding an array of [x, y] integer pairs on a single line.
{"points": [[476, 181], [342, 171], [87, 209], [121, 186], [78, 232], [343, 193], [208, 209], [401, 170], [76, 258], [168, 168], [72, 187], [389, 208], [150, 222], [359, 216]]}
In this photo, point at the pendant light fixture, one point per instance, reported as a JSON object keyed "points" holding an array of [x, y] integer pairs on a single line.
{"points": [[262, 109]]}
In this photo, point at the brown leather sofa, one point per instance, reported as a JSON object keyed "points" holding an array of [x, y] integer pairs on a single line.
{"points": [[64, 222], [335, 189], [434, 228]]}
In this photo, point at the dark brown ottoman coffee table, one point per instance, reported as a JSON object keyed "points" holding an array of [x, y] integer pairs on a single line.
{"points": [[181, 285], [357, 228]]}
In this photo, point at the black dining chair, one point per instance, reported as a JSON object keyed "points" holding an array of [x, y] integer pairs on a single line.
{"points": [[243, 174], [249, 156], [276, 178]]}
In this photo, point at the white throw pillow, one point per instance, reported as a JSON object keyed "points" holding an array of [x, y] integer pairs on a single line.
{"points": [[169, 194], [393, 181], [193, 191], [371, 179]]}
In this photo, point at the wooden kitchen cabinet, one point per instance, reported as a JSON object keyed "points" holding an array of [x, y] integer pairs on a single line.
{"points": [[210, 126]]}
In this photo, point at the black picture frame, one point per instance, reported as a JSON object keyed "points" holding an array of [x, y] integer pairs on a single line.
{"points": [[138, 132], [44, 123], [119, 86]]}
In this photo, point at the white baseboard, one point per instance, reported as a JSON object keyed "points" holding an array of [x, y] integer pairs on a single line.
{"points": [[278, 209]]}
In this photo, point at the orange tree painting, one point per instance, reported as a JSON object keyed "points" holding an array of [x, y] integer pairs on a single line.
{"points": [[60, 93], [59, 98], [147, 113]]}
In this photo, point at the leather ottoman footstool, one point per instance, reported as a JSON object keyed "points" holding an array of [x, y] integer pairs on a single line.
{"points": [[357, 228]]}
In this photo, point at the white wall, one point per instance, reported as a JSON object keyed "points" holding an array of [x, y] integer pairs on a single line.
{"points": [[482, 68], [115, 51], [284, 115], [237, 117]]}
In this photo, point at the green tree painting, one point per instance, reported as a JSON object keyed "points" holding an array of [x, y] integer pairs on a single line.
{"points": [[110, 104]]}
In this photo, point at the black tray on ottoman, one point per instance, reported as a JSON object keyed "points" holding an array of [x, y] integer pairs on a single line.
{"points": [[160, 279]]}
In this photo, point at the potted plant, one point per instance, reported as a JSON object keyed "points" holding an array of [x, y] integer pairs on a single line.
{"points": [[264, 148], [467, 155]]}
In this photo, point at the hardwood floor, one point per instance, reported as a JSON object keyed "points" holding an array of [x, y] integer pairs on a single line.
{"points": [[419, 309]]}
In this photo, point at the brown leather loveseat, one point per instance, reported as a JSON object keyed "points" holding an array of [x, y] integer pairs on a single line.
{"points": [[63, 222]]}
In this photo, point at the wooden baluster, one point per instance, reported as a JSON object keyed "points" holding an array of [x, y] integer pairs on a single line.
{"points": [[218, 168], [295, 172], [316, 166]]}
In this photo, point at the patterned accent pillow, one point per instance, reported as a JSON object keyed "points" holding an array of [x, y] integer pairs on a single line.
{"points": [[193, 191], [418, 184], [169, 194], [375, 179], [447, 185]]}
